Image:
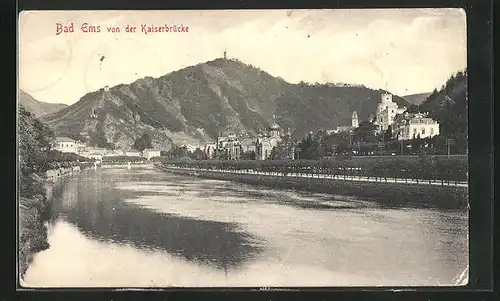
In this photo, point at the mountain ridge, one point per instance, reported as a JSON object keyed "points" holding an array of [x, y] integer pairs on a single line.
{"points": [[38, 108], [196, 103], [417, 99]]}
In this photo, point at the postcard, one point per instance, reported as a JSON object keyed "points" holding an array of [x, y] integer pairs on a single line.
{"points": [[243, 148]]}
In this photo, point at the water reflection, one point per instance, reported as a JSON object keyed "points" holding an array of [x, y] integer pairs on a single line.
{"points": [[97, 208]]}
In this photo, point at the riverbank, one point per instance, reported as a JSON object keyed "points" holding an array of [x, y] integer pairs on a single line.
{"points": [[386, 193], [34, 213]]}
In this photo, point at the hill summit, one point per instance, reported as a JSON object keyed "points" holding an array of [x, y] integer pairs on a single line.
{"points": [[197, 103]]}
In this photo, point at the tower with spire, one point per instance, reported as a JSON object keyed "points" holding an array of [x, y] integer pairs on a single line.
{"points": [[354, 120]]}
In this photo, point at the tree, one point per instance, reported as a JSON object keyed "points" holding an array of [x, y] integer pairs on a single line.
{"points": [[198, 154], [309, 148], [284, 149], [365, 132], [177, 152], [388, 134], [143, 142], [34, 142], [249, 155], [413, 109]]}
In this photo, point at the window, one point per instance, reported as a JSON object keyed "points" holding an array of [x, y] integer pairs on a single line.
{"points": [[432, 131], [415, 131], [423, 131]]}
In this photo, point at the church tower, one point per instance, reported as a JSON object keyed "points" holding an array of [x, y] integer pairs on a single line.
{"points": [[354, 120]]}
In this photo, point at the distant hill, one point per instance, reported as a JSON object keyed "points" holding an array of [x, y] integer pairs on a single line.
{"points": [[416, 99], [38, 108], [197, 103]]}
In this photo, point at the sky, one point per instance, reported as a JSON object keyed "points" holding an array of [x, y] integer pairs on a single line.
{"points": [[408, 51]]}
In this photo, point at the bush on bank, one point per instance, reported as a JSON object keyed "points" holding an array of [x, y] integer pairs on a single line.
{"points": [[425, 167]]}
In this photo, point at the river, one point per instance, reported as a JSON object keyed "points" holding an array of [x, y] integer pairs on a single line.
{"points": [[115, 227]]}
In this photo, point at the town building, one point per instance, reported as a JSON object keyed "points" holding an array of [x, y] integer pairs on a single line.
{"points": [[132, 153], [229, 147], [232, 148], [346, 128], [354, 120], [249, 145], [387, 110], [265, 143], [115, 153], [65, 145], [210, 150], [149, 153], [419, 125]]}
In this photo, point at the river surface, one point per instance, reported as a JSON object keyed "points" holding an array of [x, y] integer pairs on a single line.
{"points": [[115, 227]]}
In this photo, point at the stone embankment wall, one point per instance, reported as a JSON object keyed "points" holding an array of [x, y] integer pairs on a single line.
{"points": [[55, 173]]}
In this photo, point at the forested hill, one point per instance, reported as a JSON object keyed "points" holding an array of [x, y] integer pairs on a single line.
{"points": [[449, 107], [196, 103]]}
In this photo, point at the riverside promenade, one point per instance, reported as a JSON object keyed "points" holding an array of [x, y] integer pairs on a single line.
{"points": [[333, 177], [386, 191]]}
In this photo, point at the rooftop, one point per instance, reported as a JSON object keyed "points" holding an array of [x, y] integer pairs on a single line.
{"points": [[64, 139]]}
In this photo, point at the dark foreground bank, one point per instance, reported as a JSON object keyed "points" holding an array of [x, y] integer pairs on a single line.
{"points": [[34, 213], [390, 194]]}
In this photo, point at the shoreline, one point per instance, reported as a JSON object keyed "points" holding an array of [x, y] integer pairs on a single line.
{"points": [[34, 212], [385, 193]]}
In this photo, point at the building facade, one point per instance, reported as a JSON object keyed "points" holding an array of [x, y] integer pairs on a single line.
{"points": [[249, 145], [149, 153], [65, 145], [386, 112], [265, 143], [228, 147], [132, 153], [411, 126]]}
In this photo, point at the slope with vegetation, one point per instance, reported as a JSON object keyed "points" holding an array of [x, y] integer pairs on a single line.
{"points": [[197, 103]]}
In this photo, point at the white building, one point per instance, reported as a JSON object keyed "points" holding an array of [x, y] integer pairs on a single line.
{"points": [[411, 126], [266, 143], [132, 153], [149, 153], [115, 153], [387, 110], [65, 145]]}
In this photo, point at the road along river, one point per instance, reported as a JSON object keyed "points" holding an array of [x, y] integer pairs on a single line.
{"points": [[119, 227]]}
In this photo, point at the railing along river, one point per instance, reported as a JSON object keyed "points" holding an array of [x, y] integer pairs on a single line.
{"points": [[322, 175]]}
